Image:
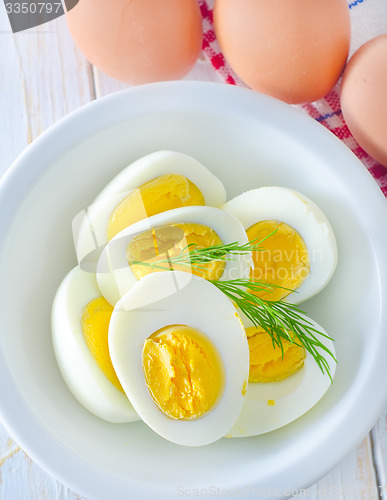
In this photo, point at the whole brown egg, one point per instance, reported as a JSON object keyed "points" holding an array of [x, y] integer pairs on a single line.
{"points": [[364, 97], [138, 41], [294, 50]]}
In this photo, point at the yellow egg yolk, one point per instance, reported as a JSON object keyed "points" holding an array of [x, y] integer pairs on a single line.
{"points": [[266, 361], [183, 371], [95, 326], [166, 242], [283, 259], [158, 195]]}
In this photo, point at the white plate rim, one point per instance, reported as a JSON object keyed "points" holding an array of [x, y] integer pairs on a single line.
{"points": [[196, 97]]}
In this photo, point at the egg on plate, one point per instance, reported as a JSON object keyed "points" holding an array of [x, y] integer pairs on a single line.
{"points": [[135, 342], [297, 247], [80, 322], [167, 235], [280, 389], [181, 357], [157, 182]]}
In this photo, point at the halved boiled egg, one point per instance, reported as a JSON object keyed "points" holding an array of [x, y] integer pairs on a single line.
{"points": [[298, 248], [182, 356], [280, 389], [132, 253], [160, 181], [80, 322]]}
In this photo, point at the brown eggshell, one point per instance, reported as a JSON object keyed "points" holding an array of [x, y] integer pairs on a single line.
{"points": [[294, 50], [138, 41], [364, 97]]}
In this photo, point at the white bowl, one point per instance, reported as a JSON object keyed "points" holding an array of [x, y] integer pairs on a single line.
{"points": [[248, 140]]}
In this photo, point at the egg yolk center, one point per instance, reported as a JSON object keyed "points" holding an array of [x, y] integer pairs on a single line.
{"points": [[283, 259], [95, 326], [158, 195], [266, 361], [166, 242], [183, 371]]}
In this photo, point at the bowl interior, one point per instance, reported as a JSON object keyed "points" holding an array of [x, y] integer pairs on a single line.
{"points": [[245, 150]]}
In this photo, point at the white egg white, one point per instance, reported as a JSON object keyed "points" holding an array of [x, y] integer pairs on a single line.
{"points": [[303, 215], [114, 275], [89, 227], [83, 376], [271, 405], [163, 299]]}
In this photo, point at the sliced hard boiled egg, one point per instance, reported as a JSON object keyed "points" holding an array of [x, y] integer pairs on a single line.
{"points": [[287, 388], [160, 181], [166, 235], [80, 322], [182, 356], [298, 249]]}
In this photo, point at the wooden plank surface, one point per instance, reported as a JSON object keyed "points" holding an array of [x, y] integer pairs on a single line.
{"points": [[42, 78]]}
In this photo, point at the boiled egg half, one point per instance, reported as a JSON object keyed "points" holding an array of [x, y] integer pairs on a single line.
{"points": [[160, 181], [280, 389], [167, 235], [182, 357], [297, 248], [80, 322]]}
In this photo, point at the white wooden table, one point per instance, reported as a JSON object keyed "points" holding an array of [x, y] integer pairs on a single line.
{"points": [[42, 78]]}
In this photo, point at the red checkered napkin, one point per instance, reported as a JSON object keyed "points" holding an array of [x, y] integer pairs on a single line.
{"points": [[369, 19]]}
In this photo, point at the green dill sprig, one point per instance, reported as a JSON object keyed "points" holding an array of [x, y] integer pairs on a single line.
{"points": [[281, 320]]}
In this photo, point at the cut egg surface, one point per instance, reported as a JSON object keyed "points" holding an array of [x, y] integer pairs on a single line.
{"points": [[155, 183], [182, 357], [297, 249], [80, 322], [288, 388], [164, 236]]}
